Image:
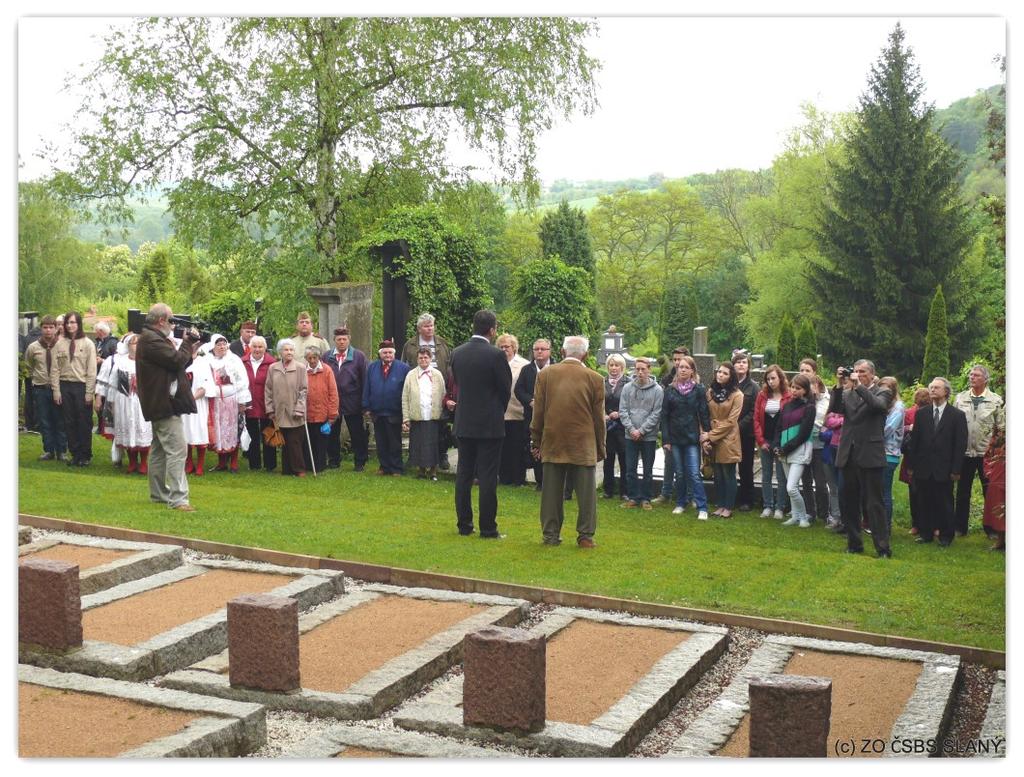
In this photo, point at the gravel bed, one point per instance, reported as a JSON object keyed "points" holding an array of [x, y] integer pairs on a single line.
{"points": [[970, 704]]}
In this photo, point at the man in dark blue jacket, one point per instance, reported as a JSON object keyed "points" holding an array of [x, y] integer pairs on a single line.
{"points": [[382, 402], [349, 366]]}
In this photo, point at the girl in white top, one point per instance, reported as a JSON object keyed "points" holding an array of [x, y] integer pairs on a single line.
{"points": [[229, 397], [197, 424], [116, 382]]}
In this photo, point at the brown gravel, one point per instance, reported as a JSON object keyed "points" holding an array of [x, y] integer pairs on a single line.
{"points": [[868, 695], [969, 704], [84, 556], [140, 617], [55, 723], [341, 651], [590, 666]]}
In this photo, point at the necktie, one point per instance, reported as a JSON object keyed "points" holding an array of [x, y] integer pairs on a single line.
{"points": [[936, 416], [49, 359], [387, 369], [71, 350]]}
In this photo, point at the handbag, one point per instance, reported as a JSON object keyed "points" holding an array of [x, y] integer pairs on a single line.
{"points": [[272, 436]]}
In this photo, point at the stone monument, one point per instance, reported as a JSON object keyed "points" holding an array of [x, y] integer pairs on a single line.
{"points": [[346, 304]]}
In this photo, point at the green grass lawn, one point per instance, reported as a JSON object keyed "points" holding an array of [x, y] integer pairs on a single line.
{"points": [[743, 565]]}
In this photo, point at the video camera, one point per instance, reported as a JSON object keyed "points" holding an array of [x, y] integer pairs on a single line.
{"points": [[183, 323], [845, 372]]}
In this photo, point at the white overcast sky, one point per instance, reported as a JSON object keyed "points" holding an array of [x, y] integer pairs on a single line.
{"points": [[677, 95]]}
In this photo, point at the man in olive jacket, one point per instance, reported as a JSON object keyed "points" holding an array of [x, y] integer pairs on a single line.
{"points": [[165, 394], [568, 435]]}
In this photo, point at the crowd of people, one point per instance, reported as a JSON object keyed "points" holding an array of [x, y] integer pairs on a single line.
{"points": [[827, 454]]}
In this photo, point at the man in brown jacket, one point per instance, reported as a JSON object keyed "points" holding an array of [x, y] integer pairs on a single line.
{"points": [[568, 435], [165, 395]]}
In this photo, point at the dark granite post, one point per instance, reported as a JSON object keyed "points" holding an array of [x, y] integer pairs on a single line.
{"points": [[263, 642], [789, 716], [49, 604], [505, 679]]}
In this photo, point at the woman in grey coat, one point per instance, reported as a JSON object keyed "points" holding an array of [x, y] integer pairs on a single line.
{"points": [[285, 400]]}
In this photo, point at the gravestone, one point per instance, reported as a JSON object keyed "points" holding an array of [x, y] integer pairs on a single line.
{"points": [[789, 716], [346, 304], [49, 604], [263, 642], [505, 679]]}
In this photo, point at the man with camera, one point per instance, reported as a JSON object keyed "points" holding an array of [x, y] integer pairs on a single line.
{"points": [[861, 458], [165, 394]]}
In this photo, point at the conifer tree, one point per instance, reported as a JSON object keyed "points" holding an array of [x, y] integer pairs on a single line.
{"points": [[563, 233], [895, 226], [785, 352], [936, 348], [806, 340]]}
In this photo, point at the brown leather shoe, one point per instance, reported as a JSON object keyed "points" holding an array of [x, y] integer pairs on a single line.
{"points": [[185, 508], [586, 542]]}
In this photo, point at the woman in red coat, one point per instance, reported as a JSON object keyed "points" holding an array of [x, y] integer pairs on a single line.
{"points": [[994, 519]]}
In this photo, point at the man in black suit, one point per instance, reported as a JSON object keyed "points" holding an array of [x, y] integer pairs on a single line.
{"points": [[524, 393], [861, 457], [484, 382], [935, 456]]}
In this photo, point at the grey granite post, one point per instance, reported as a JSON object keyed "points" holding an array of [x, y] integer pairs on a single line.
{"points": [[789, 716], [346, 304]]}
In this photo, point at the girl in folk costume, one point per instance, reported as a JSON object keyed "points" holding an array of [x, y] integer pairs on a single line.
{"points": [[197, 428], [132, 433], [229, 398]]}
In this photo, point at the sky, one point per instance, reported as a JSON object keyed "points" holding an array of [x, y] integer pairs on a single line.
{"points": [[677, 95]]}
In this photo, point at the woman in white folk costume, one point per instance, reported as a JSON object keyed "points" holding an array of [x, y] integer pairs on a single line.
{"points": [[197, 424], [229, 398], [116, 382]]}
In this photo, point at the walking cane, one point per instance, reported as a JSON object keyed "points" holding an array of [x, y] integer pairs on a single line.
{"points": [[312, 463]]}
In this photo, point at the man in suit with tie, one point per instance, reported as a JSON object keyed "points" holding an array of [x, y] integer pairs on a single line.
{"points": [[861, 457], [568, 435], [484, 383], [935, 455]]}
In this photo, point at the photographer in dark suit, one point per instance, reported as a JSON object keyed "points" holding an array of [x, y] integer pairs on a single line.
{"points": [[861, 458], [484, 382], [935, 456]]}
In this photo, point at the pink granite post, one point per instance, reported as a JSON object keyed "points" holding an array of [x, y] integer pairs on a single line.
{"points": [[49, 604], [789, 716], [263, 642], [505, 679]]}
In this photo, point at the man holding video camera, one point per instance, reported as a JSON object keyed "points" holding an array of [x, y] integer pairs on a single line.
{"points": [[165, 394], [861, 458]]}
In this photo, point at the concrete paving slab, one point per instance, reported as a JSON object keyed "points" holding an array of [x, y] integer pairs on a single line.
{"points": [[379, 689], [185, 644], [409, 744], [614, 733], [925, 717], [148, 559], [226, 728]]}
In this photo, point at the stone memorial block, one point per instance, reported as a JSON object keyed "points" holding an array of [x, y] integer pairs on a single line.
{"points": [[789, 716], [346, 304], [263, 642], [700, 340], [49, 604], [505, 679]]}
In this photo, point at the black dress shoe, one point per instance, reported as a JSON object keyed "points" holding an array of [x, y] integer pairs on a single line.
{"points": [[492, 536], [466, 532], [853, 550], [744, 508], [945, 543], [922, 540], [885, 554]]}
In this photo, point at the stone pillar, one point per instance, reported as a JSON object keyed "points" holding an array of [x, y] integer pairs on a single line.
{"points": [[263, 642], [789, 716], [505, 679], [346, 304], [700, 339], [49, 604]]}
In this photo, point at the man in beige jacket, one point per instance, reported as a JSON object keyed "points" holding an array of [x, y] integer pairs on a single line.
{"points": [[568, 435]]}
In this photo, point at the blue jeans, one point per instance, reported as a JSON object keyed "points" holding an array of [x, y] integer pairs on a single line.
{"points": [[635, 451], [887, 476], [793, 474], [770, 463], [50, 421], [686, 461], [725, 485]]}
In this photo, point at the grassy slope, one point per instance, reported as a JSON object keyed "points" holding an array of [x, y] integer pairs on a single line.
{"points": [[745, 565]]}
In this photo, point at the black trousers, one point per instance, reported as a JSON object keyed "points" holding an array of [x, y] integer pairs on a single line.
{"points": [[259, 453], [358, 439], [615, 447], [387, 433], [478, 457], [862, 495], [970, 466], [814, 485], [745, 494], [513, 461], [77, 419], [937, 501]]}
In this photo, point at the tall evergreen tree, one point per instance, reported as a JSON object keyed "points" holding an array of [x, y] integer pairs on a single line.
{"points": [[936, 347], [894, 227], [563, 233], [785, 351], [806, 340]]}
